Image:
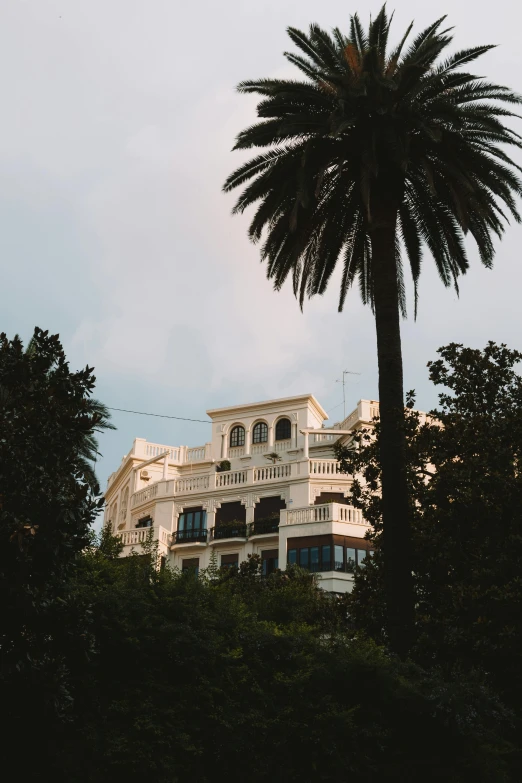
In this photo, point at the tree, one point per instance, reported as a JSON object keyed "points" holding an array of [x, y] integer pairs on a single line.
{"points": [[374, 153], [464, 476], [250, 677], [48, 502]]}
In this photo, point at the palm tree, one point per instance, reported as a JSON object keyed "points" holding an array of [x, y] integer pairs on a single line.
{"points": [[374, 156]]}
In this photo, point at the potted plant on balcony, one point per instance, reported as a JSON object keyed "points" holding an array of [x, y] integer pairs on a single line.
{"points": [[223, 466], [273, 457], [233, 529]]}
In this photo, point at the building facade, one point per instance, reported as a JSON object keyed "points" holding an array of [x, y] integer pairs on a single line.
{"points": [[267, 482]]}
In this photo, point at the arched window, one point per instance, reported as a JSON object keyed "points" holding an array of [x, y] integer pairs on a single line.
{"points": [[237, 436], [283, 430], [260, 433]]}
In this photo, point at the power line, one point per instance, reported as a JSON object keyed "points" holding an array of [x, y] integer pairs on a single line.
{"points": [[158, 415]]}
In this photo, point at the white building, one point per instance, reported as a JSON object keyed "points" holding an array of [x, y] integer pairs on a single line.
{"points": [[282, 495]]}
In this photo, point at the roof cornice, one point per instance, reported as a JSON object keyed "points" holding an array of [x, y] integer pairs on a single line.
{"points": [[286, 402]]}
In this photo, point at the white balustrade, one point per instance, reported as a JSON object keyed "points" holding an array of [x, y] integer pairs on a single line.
{"points": [[155, 449], [374, 411], [164, 536], [144, 495], [192, 484], [139, 535], [230, 478], [323, 437], [347, 423], [297, 516], [349, 514], [282, 445], [195, 454], [273, 472], [136, 536], [324, 467], [236, 451], [326, 512], [259, 448]]}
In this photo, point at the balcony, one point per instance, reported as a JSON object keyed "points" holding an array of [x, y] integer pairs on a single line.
{"points": [[190, 536], [263, 527], [235, 530], [327, 512], [139, 535]]}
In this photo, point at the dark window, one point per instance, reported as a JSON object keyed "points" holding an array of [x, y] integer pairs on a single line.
{"points": [[260, 433], [351, 558], [270, 561], [191, 564], [269, 507], [292, 556], [229, 561], [231, 512], [314, 558], [144, 522], [326, 560], [237, 436], [339, 557], [363, 555], [283, 430], [304, 557], [192, 519]]}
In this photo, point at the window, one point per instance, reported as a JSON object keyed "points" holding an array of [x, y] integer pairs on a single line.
{"points": [[260, 433], [351, 559], [192, 519], [326, 559], [191, 564], [292, 556], [283, 430], [363, 555], [144, 522], [237, 436], [339, 557], [270, 561], [314, 558], [229, 561], [304, 557]]}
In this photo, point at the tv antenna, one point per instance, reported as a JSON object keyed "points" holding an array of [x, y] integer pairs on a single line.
{"points": [[343, 381]]}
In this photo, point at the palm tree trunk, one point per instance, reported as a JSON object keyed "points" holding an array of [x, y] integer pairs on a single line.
{"points": [[395, 506]]}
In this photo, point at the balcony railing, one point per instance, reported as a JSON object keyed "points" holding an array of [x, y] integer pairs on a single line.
{"points": [[228, 531], [190, 536], [231, 478], [192, 484], [324, 467], [144, 495], [273, 472], [327, 512], [264, 526]]}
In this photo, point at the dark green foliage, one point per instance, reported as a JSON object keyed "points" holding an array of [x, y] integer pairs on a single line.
{"points": [[195, 678], [47, 505], [464, 476]]}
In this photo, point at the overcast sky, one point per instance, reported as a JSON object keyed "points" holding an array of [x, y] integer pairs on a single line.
{"points": [[118, 117]]}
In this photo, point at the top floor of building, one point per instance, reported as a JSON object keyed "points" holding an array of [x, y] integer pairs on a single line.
{"points": [[243, 440]]}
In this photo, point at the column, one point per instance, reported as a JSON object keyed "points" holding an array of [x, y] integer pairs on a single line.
{"points": [[211, 519], [248, 437], [305, 445], [271, 436], [165, 467], [224, 443]]}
